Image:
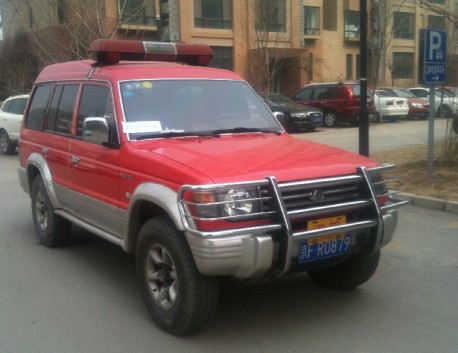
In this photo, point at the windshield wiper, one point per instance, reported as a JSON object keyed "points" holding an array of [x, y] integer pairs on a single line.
{"points": [[178, 134], [245, 129]]}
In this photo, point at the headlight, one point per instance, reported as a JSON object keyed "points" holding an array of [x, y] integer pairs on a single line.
{"points": [[417, 105], [227, 203], [298, 115], [238, 202]]}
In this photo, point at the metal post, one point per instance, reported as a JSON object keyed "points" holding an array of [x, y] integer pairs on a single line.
{"points": [[432, 110], [363, 112]]}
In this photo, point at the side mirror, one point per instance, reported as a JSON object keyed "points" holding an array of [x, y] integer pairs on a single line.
{"points": [[96, 130], [280, 118]]}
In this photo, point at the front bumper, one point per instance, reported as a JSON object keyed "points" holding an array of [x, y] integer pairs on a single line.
{"points": [[253, 249], [251, 255]]}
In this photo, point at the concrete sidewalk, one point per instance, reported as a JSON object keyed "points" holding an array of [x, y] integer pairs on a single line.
{"points": [[429, 202]]}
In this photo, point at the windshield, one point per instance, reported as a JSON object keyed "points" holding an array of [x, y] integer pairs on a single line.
{"points": [[276, 100], [162, 108], [404, 93]]}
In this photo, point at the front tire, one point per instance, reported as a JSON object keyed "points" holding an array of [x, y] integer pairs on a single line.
{"points": [[179, 298], [6, 145], [330, 118], [444, 111], [52, 230], [348, 274]]}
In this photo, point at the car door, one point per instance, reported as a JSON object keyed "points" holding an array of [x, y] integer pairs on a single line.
{"points": [[95, 166]]}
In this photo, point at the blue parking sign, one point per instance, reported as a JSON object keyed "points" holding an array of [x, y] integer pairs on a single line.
{"points": [[435, 56]]}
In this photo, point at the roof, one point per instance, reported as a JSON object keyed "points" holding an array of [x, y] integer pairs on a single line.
{"points": [[89, 69]]}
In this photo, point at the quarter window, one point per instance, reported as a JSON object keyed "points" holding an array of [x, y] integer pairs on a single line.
{"points": [[37, 111]]}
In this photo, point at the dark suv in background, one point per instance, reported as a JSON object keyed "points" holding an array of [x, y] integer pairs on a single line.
{"points": [[338, 101]]}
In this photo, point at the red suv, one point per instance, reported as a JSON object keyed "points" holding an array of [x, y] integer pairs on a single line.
{"points": [[339, 102], [186, 167]]}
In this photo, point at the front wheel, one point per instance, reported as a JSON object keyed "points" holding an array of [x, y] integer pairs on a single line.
{"points": [[52, 229], [179, 298], [444, 111], [6, 145], [330, 118], [348, 274]]}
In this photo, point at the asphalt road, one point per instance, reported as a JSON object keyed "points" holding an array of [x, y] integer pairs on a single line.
{"points": [[84, 297], [390, 135]]}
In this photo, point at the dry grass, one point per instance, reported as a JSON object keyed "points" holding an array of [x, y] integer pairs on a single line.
{"points": [[412, 169]]}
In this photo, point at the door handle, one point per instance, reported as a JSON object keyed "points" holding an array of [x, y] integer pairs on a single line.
{"points": [[75, 160]]}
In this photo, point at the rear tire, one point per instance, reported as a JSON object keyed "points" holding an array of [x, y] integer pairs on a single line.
{"points": [[348, 274], [52, 230], [179, 298]]}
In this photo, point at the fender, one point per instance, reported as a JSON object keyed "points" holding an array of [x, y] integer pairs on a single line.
{"points": [[158, 195], [37, 161]]}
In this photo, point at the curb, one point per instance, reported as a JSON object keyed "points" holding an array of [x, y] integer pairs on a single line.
{"points": [[429, 202]]}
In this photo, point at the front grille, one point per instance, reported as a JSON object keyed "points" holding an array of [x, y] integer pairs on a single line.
{"points": [[325, 197]]}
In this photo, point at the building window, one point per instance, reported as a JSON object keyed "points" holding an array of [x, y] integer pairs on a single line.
{"points": [[137, 12], [222, 58], [349, 67], [436, 22], [271, 15], [213, 14], [351, 24], [311, 21], [403, 25], [358, 66], [402, 65], [61, 7]]}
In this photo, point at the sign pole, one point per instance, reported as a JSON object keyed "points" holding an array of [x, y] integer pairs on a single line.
{"points": [[433, 59], [432, 109]]}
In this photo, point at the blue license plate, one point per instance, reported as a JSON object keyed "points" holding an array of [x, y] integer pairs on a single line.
{"points": [[324, 247]]}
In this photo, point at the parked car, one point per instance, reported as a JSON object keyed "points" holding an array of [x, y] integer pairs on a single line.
{"points": [[338, 101], [11, 114], [418, 107], [446, 103], [297, 117], [389, 106]]}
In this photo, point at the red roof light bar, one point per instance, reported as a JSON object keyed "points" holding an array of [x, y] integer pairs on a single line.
{"points": [[113, 50]]}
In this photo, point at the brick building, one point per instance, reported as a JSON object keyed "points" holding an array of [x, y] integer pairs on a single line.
{"points": [[302, 40]]}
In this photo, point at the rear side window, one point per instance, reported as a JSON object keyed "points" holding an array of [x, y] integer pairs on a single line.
{"points": [[61, 109], [37, 111], [326, 93], [18, 106], [305, 94]]}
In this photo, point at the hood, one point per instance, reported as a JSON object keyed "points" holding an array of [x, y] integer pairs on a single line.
{"points": [[243, 157], [293, 108]]}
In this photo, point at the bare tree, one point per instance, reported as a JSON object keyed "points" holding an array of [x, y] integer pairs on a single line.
{"points": [[60, 30], [265, 41]]}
